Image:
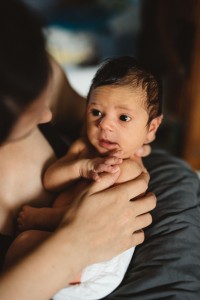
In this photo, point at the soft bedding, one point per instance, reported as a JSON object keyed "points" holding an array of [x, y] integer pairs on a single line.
{"points": [[167, 264]]}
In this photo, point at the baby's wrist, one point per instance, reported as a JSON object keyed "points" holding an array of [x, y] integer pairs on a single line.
{"points": [[84, 168]]}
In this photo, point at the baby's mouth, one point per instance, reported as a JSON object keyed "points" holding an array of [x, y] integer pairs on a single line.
{"points": [[108, 144]]}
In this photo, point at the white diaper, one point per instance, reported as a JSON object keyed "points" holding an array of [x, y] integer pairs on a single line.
{"points": [[98, 280]]}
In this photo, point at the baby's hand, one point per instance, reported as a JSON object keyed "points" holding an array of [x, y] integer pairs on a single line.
{"points": [[116, 153], [96, 166], [108, 164]]}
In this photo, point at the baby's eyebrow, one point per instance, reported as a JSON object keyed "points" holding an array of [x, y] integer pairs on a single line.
{"points": [[124, 108], [93, 103]]}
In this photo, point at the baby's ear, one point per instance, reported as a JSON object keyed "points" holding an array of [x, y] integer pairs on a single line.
{"points": [[153, 127]]}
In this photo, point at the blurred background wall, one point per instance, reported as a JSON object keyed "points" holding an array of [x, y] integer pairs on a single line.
{"points": [[163, 34]]}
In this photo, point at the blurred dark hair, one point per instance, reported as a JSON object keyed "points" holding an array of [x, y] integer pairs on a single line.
{"points": [[127, 71], [24, 63]]}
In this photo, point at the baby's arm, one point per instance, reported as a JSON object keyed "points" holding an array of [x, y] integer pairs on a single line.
{"points": [[59, 175], [46, 218], [66, 169], [74, 165]]}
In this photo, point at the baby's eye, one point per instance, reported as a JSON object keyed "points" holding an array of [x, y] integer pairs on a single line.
{"points": [[96, 113], [125, 118]]}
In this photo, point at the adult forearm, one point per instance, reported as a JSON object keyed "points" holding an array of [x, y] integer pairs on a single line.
{"points": [[45, 271], [106, 223]]}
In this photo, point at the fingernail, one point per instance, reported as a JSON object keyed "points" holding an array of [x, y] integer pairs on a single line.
{"points": [[115, 169]]}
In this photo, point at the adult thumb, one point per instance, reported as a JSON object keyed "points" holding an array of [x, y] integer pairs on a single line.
{"points": [[107, 180]]}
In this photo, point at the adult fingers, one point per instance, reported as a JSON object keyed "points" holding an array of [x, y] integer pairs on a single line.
{"points": [[127, 190], [142, 221], [132, 188], [106, 168], [138, 237], [144, 204], [107, 180], [129, 169]]}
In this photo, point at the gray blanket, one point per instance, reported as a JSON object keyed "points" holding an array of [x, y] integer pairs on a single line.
{"points": [[167, 264]]}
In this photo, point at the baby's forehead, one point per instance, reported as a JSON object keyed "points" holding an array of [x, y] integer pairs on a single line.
{"points": [[126, 92], [119, 97], [115, 88]]}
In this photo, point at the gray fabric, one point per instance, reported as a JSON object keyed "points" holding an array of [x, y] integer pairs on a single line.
{"points": [[167, 264]]}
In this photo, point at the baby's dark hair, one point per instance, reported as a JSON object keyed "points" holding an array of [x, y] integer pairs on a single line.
{"points": [[127, 71]]}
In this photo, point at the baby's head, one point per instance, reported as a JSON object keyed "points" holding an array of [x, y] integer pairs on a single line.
{"points": [[124, 107]]}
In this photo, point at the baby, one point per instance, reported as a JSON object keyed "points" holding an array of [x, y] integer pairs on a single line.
{"points": [[123, 113]]}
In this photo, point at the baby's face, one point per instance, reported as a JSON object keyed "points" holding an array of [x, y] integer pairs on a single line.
{"points": [[117, 119]]}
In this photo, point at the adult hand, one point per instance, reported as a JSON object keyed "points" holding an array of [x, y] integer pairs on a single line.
{"points": [[106, 221]]}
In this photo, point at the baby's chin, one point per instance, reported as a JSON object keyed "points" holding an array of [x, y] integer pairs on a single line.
{"points": [[106, 152], [101, 151]]}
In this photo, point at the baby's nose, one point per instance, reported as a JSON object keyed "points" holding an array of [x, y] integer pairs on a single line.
{"points": [[106, 124]]}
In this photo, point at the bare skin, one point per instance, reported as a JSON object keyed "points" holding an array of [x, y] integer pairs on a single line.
{"points": [[81, 164], [20, 164], [43, 270], [85, 161], [55, 270], [28, 240], [48, 219]]}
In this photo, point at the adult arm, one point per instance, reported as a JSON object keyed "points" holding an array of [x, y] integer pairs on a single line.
{"points": [[106, 224]]}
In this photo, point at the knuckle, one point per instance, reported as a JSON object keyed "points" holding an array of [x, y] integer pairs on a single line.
{"points": [[151, 201], [138, 237], [143, 183], [141, 237], [148, 219]]}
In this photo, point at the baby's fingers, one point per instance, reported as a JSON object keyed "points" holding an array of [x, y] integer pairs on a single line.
{"points": [[106, 168], [112, 160], [116, 153]]}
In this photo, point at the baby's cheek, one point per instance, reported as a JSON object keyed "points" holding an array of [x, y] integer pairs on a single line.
{"points": [[92, 135]]}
